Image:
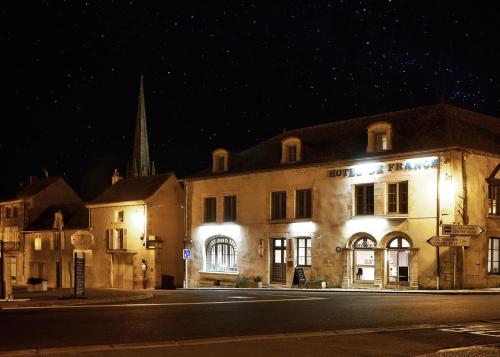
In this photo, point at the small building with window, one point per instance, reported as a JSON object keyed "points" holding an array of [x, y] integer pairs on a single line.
{"points": [[22, 209], [354, 203], [138, 229]]}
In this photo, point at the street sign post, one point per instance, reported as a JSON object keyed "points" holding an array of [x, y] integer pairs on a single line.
{"points": [[186, 254], [448, 241], [462, 229]]}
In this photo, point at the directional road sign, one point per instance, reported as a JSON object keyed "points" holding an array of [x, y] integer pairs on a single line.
{"points": [[462, 229], [447, 241], [186, 254]]}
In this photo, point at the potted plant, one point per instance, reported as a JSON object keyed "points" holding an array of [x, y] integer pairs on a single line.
{"points": [[258, 280], [37, 284]]}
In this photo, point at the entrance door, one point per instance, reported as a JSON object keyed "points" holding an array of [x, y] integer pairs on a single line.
{"points": [[278, 249], [58, 275], [398, 267]]}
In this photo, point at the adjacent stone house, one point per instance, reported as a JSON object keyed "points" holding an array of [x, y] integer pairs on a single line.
{"points": [[353, 203], [48, 250], [21, 210], [138, 226]]}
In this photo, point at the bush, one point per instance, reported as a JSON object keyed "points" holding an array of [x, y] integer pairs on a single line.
{"points": [[34, 281], [241, 282]]}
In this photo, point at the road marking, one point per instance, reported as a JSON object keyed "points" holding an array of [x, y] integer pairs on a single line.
{"points": [[240, 297], [159, 304], [211, 341], [483, 329]]}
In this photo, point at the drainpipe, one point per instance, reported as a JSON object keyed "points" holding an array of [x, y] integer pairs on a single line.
{"points": [[464, 212], [186, 200], [438, 216]]}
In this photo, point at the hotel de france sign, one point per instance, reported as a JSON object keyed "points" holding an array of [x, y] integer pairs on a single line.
{"points": [[424, 163]]}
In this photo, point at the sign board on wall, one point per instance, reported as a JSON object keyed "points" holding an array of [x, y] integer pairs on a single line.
{"points": [[416, 164], [462, 229], [447, 241]]}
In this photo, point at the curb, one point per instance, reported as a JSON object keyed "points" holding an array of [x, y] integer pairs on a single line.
{"points": [[74, 302], [381, 291]]}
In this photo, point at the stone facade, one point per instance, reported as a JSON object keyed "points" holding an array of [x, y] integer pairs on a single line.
{"points": [[136, 229], [444, 186]]}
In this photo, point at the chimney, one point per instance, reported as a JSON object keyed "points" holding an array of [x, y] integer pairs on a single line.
{"points": [[116, 177]]}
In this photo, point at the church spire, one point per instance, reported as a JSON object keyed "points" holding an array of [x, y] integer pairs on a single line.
{"points": [[140, 158]]}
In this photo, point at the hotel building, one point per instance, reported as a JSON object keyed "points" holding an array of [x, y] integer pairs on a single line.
{"points": [[353, 203]]}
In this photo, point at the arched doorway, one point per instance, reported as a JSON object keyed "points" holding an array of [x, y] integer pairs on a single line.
{"points": [[398, 261], [364, 259]]}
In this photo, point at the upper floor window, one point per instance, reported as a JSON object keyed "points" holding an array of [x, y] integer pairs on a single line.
{"points": [[397, 197], [364, 199], [494, 255], [8, 212], [210, 209], [220, 160], [278, 205], [303, 204], [291, 150], [119, 216], [229, 208], [117, 239], [38, 241], [379, 137], [15, 212]]}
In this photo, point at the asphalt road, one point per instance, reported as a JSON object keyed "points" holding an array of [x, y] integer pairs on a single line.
{"points": [[192, 315]]}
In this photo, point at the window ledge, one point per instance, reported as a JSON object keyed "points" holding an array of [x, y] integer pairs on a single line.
{"points": [[397, 215], [493, 216], [278, 221]]}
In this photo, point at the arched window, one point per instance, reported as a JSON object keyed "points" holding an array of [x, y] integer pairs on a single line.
{"points": [[364, 259], [221, 254], [399, 242], [398, 261]]}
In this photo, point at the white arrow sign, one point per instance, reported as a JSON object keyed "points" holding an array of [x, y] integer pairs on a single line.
{"points": [[462, 229], [449, 241]]}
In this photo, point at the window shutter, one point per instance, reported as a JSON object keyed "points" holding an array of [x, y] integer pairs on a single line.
{"points": [[108, 239], [124, 243]]}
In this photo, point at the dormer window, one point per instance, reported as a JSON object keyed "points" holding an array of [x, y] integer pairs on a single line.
{"points": [[220, 160], [379, 137], [290, 150]]}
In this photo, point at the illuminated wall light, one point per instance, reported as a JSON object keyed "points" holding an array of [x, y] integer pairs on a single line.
{"points": [[302, 227], [374, 226], [138, 219], [230, 230]]}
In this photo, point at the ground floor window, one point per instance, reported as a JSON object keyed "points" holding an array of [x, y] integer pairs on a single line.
{"points": [[493, 255], [12, 262], [364, 259], [304, 251], [221, 254]]}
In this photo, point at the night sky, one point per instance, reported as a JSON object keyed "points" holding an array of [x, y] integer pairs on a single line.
{"points": [[222, 74]]}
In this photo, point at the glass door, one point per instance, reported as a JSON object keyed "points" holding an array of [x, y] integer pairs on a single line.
{"points": [[398, 267], [278, 252]]}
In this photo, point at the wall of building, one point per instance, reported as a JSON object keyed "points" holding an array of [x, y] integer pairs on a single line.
{"points": [[331, 228]]}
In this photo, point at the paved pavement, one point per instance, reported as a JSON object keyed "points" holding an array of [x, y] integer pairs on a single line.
{"points": [[64, 297]]}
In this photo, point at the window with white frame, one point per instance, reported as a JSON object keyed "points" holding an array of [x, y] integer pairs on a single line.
{"points": [[221, 254], [119, 216], [379, 137], [494, 255], [397, 197], [364, 259], [304, 251]]}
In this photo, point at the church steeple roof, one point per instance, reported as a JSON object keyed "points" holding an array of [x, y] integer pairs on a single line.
{"points": [[140, 158]]}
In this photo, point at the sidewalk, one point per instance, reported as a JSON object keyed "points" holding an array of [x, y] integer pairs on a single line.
{"points": [[64, 297]]}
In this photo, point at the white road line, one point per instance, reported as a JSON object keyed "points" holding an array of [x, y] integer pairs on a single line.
{"points": [[211, 341], [159, 304]]}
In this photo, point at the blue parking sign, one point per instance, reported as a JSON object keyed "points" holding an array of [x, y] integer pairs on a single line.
{"points": [[186, 254]]}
